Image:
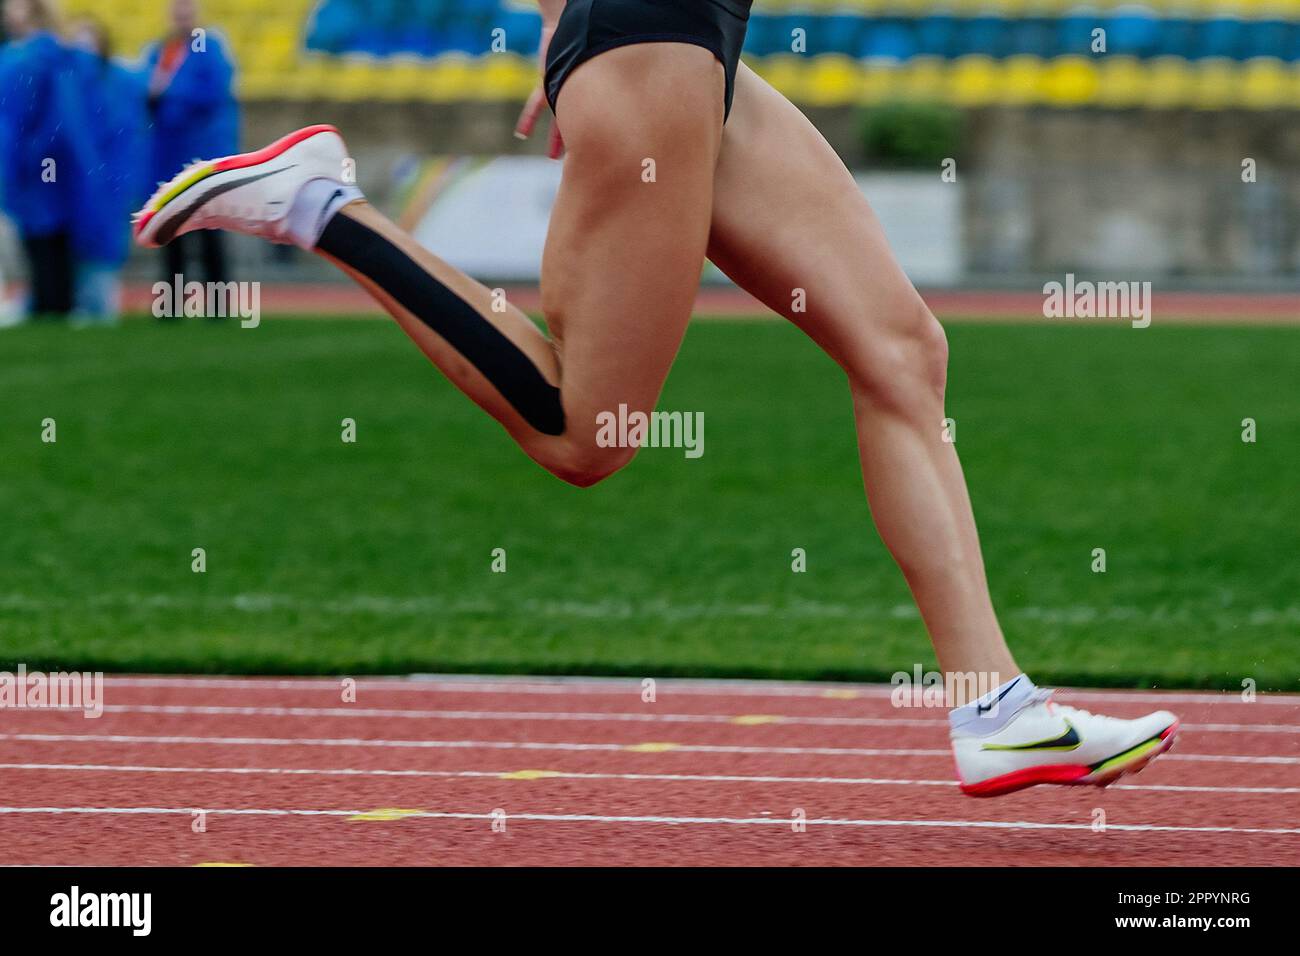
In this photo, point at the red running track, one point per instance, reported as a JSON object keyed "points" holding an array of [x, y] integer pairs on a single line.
{"points": [[533, 771], [344, 299]]}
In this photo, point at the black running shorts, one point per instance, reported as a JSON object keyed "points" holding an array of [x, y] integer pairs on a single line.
{"points": [[590, 27]]}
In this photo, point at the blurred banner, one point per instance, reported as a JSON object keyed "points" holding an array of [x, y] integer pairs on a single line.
{"points": [[489, 216]]}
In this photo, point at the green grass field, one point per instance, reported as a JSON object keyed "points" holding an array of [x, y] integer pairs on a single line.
{"points": [[325, 557]]}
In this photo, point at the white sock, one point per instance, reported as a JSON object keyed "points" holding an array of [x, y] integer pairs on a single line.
{"points": [[314, 206], [990, 713]]}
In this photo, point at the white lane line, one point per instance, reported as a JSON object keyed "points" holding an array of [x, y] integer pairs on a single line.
{"points": [[639, 746], [461, 744], [678, 821], [573, 716], [580, 716], [563, 686], [581, 775]]}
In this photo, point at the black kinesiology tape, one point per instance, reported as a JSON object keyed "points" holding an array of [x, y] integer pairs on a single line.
{"points": [[484, 345]]}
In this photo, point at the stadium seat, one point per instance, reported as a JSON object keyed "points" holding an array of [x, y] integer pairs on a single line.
{"points": [[1209, 54], [1214, 84], [975, 80], [923, 78], [833, 79], [1070, 81], [1120, 82], [1265, 84], [1022, 80], [1170, 83]]}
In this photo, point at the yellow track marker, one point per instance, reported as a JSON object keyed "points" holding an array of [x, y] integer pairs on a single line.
{"points": [[223, 864], [750, 720], [652, 748], [383, 815], [838, 693], [530, 774]]}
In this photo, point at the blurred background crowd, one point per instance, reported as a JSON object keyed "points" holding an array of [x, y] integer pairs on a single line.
{"points": [[84, 136], [1001, 141]]}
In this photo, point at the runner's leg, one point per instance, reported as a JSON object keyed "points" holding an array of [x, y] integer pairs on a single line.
{"points": [[787, 215], [642, 125]]}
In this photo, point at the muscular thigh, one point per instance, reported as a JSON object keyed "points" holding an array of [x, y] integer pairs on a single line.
{"points": [[629, 230], [792, 227]]}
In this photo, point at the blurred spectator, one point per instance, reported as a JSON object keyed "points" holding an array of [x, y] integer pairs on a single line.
{"points": [[44, 150], [114, 103], [194, 116]]}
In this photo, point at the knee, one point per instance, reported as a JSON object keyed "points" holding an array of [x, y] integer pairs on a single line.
{"points": [[583, 465], [901, 364]]}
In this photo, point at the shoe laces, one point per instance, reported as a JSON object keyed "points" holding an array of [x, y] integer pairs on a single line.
{"points": [[1068, 711]]}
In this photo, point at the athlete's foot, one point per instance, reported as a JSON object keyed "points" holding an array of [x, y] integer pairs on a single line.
{"points": [[252, 193], [1045, 742]]}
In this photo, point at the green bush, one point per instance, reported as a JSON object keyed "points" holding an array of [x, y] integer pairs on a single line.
{"points": [[911, 134]]}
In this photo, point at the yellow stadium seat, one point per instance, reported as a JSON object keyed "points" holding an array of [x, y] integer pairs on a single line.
{"points": [[313, 78], [383, 80], [1170, 83], [352, 78], [279, 54], [1070, 81], [1121, 82], [1214, 83], [411, 78], [1264, 84], [505, 76], [879, 81], [451, 78], [259, 85], [1022, 80], [833, 80], [975, 80], [923, 78], [1006, 8], [785, 71]]}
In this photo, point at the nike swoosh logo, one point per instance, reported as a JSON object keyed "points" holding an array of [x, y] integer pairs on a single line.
{"points": [[1066, 741], [320, 221], [983, 709], [168, 232]]}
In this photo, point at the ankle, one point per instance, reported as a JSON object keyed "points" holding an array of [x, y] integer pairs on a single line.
{"points": [[990, 712], [316, 203]]}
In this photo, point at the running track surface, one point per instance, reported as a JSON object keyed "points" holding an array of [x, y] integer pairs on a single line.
{"points": [[342, 298], [528, 771]]}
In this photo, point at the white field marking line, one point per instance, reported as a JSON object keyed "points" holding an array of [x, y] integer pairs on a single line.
{"points": [[560, 686], [579, 717], [601, 818], [538, 745], [583, 775]]}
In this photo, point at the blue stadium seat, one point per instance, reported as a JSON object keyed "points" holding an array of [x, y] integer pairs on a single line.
{"points": [[1272, 38], [1133, 33], [1074, 32], [1032, 36], [1221, 36], [937, 35], [984, 33], [523, 30], [887, 38]]}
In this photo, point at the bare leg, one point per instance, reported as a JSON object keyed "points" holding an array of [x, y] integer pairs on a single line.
{"points": [[787, 216], [623, 255]]}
